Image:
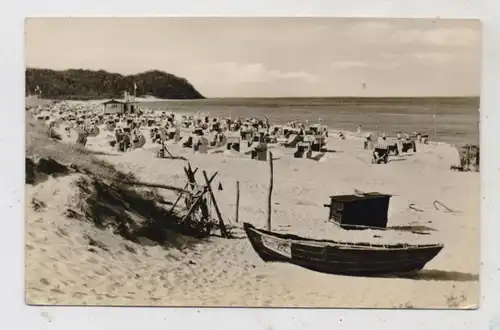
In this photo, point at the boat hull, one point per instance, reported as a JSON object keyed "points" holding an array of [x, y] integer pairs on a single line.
{"points": [[358, 259]]}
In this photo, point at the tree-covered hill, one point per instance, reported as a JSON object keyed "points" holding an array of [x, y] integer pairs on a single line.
{"points": [[88, 84]]}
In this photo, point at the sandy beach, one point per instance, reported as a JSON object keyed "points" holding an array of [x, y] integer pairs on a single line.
{"points": [[71, 262], [331, 106]]}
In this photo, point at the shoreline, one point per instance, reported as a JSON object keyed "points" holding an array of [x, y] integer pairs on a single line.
{"points": [[331, 129]]}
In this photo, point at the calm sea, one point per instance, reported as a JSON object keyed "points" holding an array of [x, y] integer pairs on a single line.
{"points": [[450, 120]]}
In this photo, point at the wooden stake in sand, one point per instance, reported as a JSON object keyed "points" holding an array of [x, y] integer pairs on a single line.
{"points": [[221, 222], [197, 198], [191, 183], [178, 199], [270, 191], [237, 200], [191, 175]]}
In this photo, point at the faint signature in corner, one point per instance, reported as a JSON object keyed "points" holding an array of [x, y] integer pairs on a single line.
{"points": [[495, 323], [46, 316]]}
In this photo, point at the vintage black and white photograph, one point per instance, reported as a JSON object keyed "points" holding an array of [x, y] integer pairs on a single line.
{"points": [[252, 162]]}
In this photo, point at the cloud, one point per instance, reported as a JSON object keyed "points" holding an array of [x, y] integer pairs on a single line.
{"points": [[258, 73], [421, 57], [380, 65], [348, 64], [438, 37], [433, 57]]}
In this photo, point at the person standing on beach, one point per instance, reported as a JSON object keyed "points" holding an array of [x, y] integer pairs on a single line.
{"points": [[82, 136], [399, 142], [325, 132], [368, 141]]}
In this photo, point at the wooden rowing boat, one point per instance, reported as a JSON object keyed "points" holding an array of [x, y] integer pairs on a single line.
{"points": [[340, 257]]}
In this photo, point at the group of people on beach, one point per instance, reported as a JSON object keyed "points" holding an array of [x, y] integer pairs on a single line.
{"points": [[128, 138], [205, 131]]}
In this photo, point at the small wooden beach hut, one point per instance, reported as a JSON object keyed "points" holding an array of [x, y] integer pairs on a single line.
{"points": [[119, 107]]}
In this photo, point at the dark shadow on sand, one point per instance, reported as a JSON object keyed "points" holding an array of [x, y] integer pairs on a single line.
{"points": [[173, 158], [417, 228], [101, 153], [440, 275], [422, 275], [318, 157], [231, 236], [396, 160]]}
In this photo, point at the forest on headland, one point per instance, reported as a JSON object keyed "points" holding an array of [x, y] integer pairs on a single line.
{"points": [[79, 84]]}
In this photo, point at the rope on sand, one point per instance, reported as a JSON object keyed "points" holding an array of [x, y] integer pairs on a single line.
{"points": [[412, 206], [436, 202]]}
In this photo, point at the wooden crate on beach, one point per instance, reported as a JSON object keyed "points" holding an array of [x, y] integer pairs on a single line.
{"points": [[367, 210]]}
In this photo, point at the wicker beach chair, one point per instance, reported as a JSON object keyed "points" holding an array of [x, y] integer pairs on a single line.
{"points": [[303, 148], [381, 153]]}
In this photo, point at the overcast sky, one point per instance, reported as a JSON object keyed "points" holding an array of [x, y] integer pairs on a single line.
{"points": [[252, 57]]}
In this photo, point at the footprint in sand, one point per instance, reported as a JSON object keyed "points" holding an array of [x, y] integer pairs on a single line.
{"points": [[62, 255], [57, 289], [44, 281]]}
